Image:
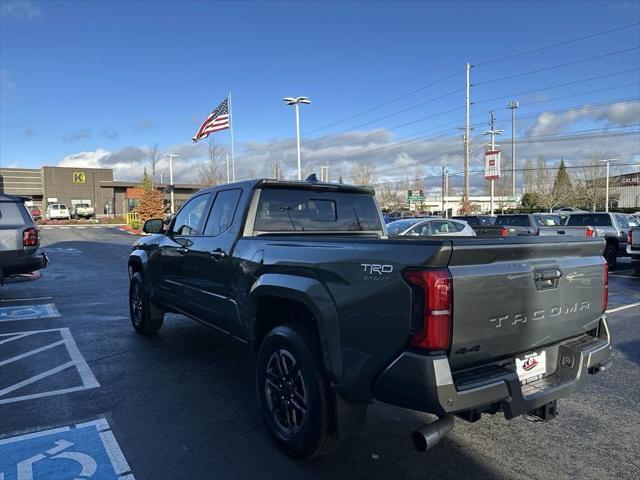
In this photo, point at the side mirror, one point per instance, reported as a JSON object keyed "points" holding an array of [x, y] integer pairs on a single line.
{"points": [[154, 225]]}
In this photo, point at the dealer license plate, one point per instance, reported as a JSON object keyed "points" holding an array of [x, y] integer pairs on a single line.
{"points": [[531, 366]]}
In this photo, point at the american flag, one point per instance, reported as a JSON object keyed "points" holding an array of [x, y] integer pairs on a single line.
{"points": [[217, 120]]}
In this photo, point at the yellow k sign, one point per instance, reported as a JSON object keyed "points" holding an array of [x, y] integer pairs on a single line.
{"points": [[79, 177]]}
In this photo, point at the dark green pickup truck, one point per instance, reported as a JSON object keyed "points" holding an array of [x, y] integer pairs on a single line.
{"points": [[341, 315]]}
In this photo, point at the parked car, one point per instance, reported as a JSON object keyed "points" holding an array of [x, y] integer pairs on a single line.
{"points": [[340, 315], [568, 209], [36, 214], [58, 211], [613, 227], [83, 210], [425, 227], [521, 224], [19, 239], [633, 248], [393, 216]]}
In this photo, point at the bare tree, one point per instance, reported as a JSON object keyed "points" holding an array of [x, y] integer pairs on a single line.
{"points": [[154, 157], [529, 177], [592, 181], [211, 172], [388, 197], [502, 191], [362, 174]]}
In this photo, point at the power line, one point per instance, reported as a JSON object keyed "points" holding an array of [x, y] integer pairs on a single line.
{"points": [[544, 69], [558, 44]]}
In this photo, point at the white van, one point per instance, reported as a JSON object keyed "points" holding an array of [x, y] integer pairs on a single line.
{"points": [[58, 211]]}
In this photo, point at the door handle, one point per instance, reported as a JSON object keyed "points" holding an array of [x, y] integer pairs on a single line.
{"points": [[219, 254], [182, 250], [547, 279]]}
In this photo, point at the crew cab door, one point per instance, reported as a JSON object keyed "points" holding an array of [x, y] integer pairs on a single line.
{"points": [[208, 262], [174, 274]]}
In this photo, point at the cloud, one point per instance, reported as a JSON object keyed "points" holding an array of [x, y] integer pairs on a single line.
{"points": [[109, 133], [619, 114], [21, 9], [29, 132], [393, 159], [6, 84], [76, 135]]}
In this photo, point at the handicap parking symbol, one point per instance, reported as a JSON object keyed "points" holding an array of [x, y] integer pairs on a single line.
{"points": [[28, 312], [87, 451]]}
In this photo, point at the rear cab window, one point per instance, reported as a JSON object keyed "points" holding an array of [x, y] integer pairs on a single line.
{"points": [[513, 220], [589, 219], [310, 210]]}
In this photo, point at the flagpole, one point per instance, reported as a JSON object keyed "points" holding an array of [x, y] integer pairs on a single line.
{"points": [[233, 156]]}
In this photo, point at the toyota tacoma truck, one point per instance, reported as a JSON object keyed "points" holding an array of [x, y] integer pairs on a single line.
{"points": [[340, 315]]}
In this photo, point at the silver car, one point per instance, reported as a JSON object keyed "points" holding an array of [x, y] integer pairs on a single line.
{"points": [[428, 227], [19, 240]]}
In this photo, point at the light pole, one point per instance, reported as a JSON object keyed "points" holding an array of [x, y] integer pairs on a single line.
{"points": [[513, 105], [606, 194], [171, 155], [297, 101]]}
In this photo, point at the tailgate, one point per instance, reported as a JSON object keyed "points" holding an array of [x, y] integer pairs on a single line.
{"points": [[635, 238], [515, 295]]}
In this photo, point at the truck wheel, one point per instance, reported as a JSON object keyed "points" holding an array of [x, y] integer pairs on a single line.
{"points": [[611, 256], [293, 393], [146, 318]]}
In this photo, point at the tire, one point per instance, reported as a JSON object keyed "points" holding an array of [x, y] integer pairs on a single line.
{"points": [[291, 359], [611, 256], [146, 318]]}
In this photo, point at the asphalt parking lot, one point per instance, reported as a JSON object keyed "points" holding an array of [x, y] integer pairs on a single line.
{"points": [[81, 394]]}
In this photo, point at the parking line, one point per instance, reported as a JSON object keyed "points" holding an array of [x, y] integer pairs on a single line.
{"points": [[623, 307], [31, 352], [34, 379], [26, 299]]}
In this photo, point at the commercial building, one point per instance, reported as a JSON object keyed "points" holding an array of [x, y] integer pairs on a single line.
{"points": [[71, 186], [625, 191]]}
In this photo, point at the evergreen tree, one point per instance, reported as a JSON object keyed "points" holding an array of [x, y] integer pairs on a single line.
{"points": [[562, 185]]}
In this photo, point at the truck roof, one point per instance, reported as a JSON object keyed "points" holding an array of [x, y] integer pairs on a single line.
{"points": [[310, 183]]}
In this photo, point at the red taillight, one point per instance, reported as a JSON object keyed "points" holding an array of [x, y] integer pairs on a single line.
{"points": [[504, 232], [605, 295], [431, 308], [30, 237], [629, 236], [591, 232]]}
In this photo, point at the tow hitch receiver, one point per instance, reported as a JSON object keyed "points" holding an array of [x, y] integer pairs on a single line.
{"points": [[546, 412]]}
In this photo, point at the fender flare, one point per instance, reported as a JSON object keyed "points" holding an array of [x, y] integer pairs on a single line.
{"points": [[140, 259], [315, 297]]}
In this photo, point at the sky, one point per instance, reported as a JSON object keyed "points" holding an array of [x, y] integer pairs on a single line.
{"points": [[95, 83]]}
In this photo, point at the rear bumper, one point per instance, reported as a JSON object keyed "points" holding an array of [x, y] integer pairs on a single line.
{"points": [[26, 264], [426, 383]]}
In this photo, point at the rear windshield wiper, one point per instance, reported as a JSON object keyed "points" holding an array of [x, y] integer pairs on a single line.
{"points": [[287, 210]]}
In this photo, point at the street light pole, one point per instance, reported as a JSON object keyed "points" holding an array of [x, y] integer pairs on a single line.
{"points": [[170, 155], [493, 132], [296, 102], [606, 194]]}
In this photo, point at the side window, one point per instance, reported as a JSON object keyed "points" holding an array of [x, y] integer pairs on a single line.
{"points": [[458, 226], [223, 211], [622, 222], [188, 219]]}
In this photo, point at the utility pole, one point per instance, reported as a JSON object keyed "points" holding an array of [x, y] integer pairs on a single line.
{"points": [[513, 105], [446, 187], [443, 172], [493, 132], [228, 178], [466, 140]]}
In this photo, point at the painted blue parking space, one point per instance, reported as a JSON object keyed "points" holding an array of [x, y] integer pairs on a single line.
{"points": [[83, 451], [28, 312]]}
